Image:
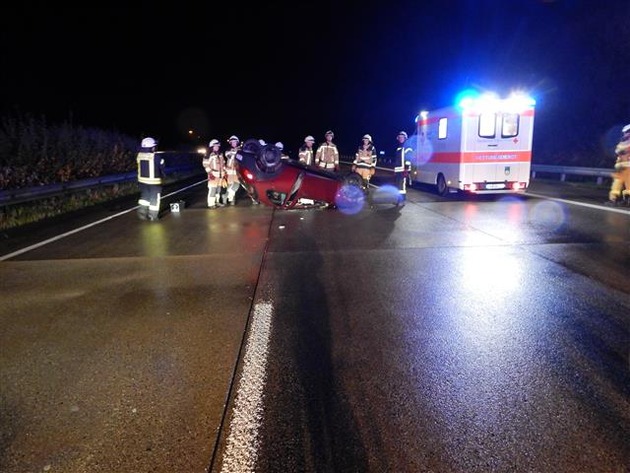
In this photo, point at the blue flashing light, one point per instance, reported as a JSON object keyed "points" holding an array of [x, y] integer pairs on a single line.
{"points": [[466, 98], [473, 100]]}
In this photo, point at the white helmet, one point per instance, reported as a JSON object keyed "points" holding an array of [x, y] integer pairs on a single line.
{"points": [[262, 142], [214, 143], [279, 145], [148, 143], [367, 137], [402, 133], [626, 129], [233, 137], [309, 138]]}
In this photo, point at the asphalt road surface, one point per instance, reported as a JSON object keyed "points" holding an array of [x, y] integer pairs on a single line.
{"points": [[452, 335]]}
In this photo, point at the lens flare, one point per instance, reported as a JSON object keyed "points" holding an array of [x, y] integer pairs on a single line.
{"points": [[350, 199], [386, 194], [547, 214]]}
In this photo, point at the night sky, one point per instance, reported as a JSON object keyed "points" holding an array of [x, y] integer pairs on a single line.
{"points": [[280, 71]]}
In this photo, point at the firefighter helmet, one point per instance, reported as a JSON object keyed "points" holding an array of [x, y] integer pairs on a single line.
{"points": [[367, 137], [329, 133], [626, 129], [402, 133], [309, 138], [214, 143], [148, 143], [279, 145], [233, 137]]}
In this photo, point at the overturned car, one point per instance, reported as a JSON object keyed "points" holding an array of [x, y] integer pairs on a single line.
{"points": [[288, 184]]}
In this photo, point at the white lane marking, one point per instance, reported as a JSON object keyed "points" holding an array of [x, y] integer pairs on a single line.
{"points": [[241, 451], [80, 229], [582, 204], [63, 235]]}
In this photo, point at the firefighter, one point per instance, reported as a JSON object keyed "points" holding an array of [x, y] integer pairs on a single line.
{"points": [[327, 155], [305, 154], [230, 169], [150, 174], [284, 156], [620, 188], [213, 163], [402, 163], [365, 160]]}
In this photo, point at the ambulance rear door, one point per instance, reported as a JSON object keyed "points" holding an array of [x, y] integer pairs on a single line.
{"points": [[497, 145]]}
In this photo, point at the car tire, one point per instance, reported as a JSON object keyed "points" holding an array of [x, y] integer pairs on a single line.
{"points": [[269, 159], [442, 188], [353, 179]]}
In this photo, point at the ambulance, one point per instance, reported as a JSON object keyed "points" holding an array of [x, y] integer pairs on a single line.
{"points": [[481, 145]]}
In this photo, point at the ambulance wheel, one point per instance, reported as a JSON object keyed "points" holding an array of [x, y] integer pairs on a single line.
{"points": [[442, 188]]}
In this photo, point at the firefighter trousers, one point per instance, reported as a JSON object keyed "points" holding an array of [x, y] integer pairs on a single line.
{"points": [[150, 201]]}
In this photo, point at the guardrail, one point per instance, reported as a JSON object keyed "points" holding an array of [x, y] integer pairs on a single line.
{"points": [[173, 171], [564, 171], [27, 194]]}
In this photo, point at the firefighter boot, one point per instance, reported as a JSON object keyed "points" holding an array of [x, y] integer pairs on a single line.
{"points": [[143, 213], [221, 200]]}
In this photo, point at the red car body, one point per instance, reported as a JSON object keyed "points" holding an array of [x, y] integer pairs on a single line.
{"points": [[288, 184]]}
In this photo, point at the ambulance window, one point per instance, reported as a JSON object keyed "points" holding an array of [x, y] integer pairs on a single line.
{"points": [[442, 126], [509, 128], [487, 125]]}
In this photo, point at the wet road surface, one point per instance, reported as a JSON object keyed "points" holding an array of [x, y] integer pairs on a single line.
{"points": [[454, 335]]}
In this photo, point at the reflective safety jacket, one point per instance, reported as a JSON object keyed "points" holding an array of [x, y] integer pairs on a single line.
{"points": [[229, 167], [150, 168], [305, 155], [404, 153], [622, 150], [327, 155], [214, 164], [365, 157]]}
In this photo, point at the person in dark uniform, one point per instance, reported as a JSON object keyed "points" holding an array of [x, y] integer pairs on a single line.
{"points": [[404, 154], [150, 174]]}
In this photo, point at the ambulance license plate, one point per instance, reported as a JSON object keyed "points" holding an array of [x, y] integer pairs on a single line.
{"points": [[495, 186]]}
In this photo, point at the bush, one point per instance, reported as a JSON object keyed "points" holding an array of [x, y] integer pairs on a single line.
{"points": [[33, 152]]}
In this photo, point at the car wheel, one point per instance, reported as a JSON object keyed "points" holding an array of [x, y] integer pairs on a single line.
{"points": [[350, 196], [353, 179], [442, 188], [269, 159]]}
